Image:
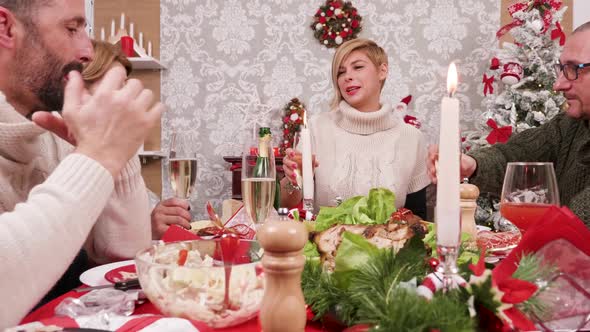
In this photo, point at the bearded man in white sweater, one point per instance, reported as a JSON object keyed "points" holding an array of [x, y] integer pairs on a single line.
{"points": [[40, 42]]}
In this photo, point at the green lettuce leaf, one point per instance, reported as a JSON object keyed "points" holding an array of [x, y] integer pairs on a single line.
{"points": [[310, 250], [353, 251], [376, 208]]}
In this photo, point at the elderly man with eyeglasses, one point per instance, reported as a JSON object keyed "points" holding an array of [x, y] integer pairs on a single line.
{"points": [[564, 140]]}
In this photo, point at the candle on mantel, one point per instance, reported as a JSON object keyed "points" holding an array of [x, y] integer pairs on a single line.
{"points": [[140, 38], [448, 210], [122, 21], [149, 50], [131, 28], [113, 28], [102, 34], [306, 160]]}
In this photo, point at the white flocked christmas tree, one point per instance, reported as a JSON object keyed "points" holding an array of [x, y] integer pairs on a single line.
{"points": [[518, 86]]}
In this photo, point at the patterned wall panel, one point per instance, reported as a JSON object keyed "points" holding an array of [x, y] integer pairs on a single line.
{"points": [[234, 63]]}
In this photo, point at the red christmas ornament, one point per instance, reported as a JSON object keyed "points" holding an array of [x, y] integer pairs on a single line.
{"points": [[336, 4], [322, 19], [329, 13], [354, 24], [433, 263], [495, 63], [343, 34]]}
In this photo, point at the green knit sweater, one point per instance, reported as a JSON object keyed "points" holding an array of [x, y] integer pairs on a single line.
{"points": [[563, 141]]}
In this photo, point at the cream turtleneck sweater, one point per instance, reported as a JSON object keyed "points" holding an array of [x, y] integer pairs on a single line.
{"points": [[52, 203], [358, 151]]}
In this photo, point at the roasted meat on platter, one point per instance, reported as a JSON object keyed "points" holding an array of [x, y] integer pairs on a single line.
{"points": [[402, 225]]}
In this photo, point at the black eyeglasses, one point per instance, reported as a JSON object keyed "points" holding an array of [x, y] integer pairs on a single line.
{"points": [[569, 70]]}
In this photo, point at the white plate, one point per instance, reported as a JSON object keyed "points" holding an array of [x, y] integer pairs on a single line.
{"points": [[95, 276]]}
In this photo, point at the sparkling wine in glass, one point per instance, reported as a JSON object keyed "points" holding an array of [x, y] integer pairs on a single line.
{"points": [[258, 176], [182, 167], [529, 190], [183, 175]]}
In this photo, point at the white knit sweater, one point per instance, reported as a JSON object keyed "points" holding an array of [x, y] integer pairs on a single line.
{"points": [[358, 151], [43, 226]]}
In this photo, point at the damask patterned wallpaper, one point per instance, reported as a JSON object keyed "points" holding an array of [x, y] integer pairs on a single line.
{"points": [[234, 63]]}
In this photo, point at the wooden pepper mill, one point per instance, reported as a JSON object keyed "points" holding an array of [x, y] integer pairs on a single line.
{"points": [[469, 195], [283, 306]]}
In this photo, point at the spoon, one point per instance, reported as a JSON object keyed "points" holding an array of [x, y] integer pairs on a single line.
{"points": [[229, 246]]}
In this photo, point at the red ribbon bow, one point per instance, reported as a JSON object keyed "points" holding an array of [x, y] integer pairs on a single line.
{"points": [[412, 120], [558, 33], [500, 135], [488, 84]]}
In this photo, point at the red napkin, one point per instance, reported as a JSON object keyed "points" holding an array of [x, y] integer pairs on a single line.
{"points": [[561, 239], [176, 233], [556, 224]]}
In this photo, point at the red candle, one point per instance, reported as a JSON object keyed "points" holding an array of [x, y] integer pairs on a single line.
{"points": [[127, 46]]}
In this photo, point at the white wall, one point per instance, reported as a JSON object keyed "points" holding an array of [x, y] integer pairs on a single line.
{"points": [[581, 12]]}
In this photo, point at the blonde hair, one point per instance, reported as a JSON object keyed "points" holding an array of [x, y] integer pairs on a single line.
{"points": [[373, 51], [105, 54]]}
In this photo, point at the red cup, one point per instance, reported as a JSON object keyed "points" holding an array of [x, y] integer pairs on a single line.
{"points": [[127, 46]]}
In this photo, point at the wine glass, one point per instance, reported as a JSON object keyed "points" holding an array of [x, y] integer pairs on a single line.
{"points": [[258, 176], [182, 167], [529, 190]]}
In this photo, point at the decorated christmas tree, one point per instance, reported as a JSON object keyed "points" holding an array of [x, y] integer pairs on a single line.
{"points": [[518, 86]]}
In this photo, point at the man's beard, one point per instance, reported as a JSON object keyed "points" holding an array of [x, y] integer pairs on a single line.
{"points": [[51, 92], [43, 73]]}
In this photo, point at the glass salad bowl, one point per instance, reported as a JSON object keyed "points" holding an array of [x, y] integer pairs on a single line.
{"points": [[188, 279]]}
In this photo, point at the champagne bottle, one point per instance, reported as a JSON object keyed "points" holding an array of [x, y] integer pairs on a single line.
{"points": [[262, 168]]}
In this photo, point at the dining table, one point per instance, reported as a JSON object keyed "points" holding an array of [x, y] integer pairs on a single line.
{"points": [[46, 315]]}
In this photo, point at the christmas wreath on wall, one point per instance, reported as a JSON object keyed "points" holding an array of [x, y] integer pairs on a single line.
{"points": [[336, 22], [292, 121]]}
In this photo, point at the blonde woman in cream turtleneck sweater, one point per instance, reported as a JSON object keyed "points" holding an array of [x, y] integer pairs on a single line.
{"points": [[361, 144]]}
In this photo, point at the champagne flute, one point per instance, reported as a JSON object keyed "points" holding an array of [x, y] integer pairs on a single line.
{"points": [[258, 176], [182, 168], [529, 190]]}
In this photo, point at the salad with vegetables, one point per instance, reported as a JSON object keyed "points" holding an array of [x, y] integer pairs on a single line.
{"points": [[187, 279]]}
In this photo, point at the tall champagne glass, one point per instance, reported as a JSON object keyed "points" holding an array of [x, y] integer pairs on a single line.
{"points": [[182, 168], [258, 176], [529, 189]]}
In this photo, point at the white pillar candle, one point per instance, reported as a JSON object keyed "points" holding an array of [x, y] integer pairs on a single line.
{"points": [[131, 27], [102, 34], [140, 40], [113, 28], [149, 50], [448, 222], [306, 160], [122, 21]]}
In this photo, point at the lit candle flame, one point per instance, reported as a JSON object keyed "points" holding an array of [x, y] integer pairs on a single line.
{"points": [[452, 79]]}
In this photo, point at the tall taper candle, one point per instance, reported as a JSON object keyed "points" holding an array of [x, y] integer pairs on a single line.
{"points": [[149, 50], [113, 28], [122, 21], [140, 40], [131, 28], [448, 211], [306, 160], [102, 34]]}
